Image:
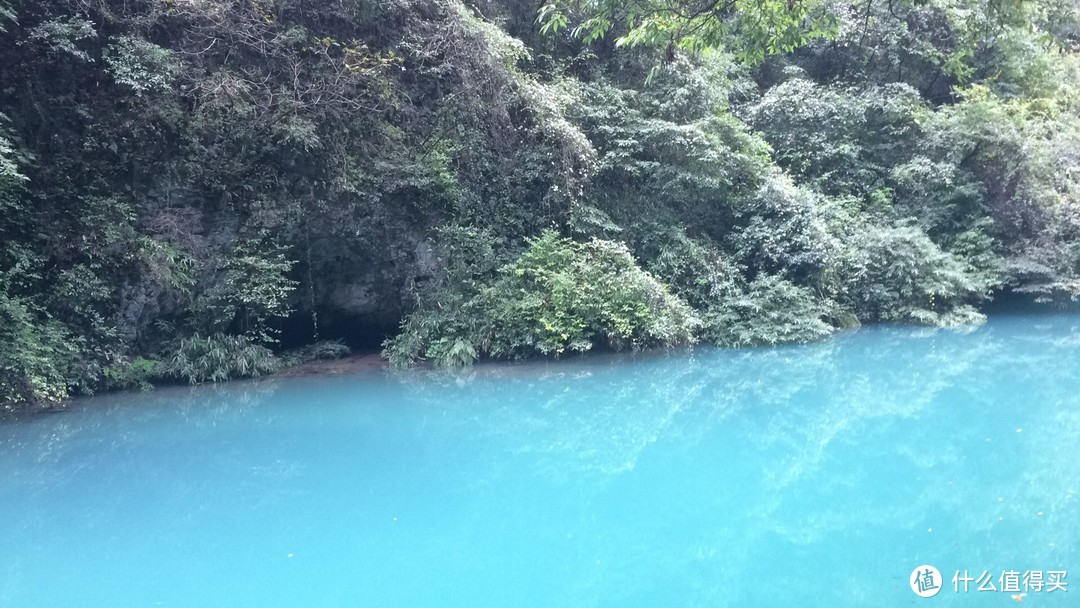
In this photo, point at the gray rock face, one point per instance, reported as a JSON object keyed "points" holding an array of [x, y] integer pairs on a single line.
{"points": [[359, 289]]}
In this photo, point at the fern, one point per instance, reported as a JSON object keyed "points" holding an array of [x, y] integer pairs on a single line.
{"points": [[218, 358]]}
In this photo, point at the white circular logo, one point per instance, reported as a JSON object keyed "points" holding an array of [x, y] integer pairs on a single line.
{"points": [[925, 581]]}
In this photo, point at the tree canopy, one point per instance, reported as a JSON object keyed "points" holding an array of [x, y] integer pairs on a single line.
{"points": [[751, 29], [196, 190]]}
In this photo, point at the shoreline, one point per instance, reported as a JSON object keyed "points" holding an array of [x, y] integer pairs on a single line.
{"points": [[373, 361], [332, 367]]}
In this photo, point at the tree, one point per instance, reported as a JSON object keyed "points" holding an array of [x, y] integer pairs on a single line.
{"points": [[753, 29]]}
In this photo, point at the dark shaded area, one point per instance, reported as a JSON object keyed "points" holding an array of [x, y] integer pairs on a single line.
{"points": [[1011, 302], [361, 333]]}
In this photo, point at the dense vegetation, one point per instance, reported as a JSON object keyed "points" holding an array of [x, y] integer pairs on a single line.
{"points": [[191, 188]]}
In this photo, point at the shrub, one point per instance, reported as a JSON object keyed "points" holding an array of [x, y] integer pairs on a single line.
{"points": [[252, 290], [558, 296], [319, 351], [218, 358], [839, 140], [771, 310], [36, 356], [789, 230], [901, 275], [139, 64], [561, 295], [694, 269], [139, 373]]}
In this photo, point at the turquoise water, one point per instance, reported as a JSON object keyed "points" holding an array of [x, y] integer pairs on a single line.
{"points": [[807, 476]]}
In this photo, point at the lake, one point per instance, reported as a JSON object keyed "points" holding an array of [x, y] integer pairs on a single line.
{"points": [[804, 476]]}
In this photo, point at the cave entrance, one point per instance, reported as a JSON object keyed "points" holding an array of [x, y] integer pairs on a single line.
{"points": [[361, 333]]}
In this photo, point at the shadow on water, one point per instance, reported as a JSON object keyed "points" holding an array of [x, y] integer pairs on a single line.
{"points": [[660, 479]]}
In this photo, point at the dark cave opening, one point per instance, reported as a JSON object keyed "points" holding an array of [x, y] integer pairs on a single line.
{"points": [[363, 333], [1009, 301]]}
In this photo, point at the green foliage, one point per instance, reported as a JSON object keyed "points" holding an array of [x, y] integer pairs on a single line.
{"points": [[323, 350], [671, 152], [695, 270], [253, 289], [36, 356], [139, 64], [63, 36], [558, 296], [790, 231], [139, 374], [218, 358], [5, 14], [755, 29], [842, 141], [734, 311], [167, 264], [901, 275], [214, 168], [771, 310], [561, 295], [10, 176]]}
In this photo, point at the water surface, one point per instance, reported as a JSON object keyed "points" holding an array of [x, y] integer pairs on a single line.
{"points": [[805, 476]]}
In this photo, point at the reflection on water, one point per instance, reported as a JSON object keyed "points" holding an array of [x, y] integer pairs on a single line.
{"points": [[816, 475]]}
